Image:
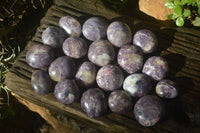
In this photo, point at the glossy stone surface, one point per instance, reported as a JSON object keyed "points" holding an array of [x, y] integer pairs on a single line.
{"points": [[75, 47], [109, 77], [146, 40], [39, 56], [54, 36], [119, 33], [148, 110], [95, 28], [130, 58], [120, 102], [137, 85], [86, 74], [94, 102], [167, 89], [101, 52], [41, 82], [156, 67], [70, 25], [66, 91], [61, 68]]}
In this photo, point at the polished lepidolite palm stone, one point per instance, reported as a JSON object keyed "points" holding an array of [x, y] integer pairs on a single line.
{"points": [[130, 58], [137, 85], [119, 33], [94, 102], [95, 28], [66, 91], [167, 89], [120, 102], [70, 25], [156, 67], [109, 77], [86, 74], [101, 52], [148, 110]]}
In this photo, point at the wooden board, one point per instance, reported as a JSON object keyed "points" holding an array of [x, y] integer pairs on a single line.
{"points": [[181, 48]]}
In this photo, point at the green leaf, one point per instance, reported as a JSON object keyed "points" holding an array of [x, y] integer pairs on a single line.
{"points": [[189, 2], [180, 21], [175, 16], [196, 22], [169, 4], [178, 10], [186, 13], [169, 16], [198, 11], [177, 2]]}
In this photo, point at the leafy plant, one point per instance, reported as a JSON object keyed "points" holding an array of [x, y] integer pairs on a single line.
{"points": [[184, 10]]}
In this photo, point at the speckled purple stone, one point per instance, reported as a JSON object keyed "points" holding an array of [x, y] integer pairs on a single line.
{"points": [[86, 74], [75, 47], [148, 110], [167, 89], [109, 77], [130, 58], [146, 40], [101, 52], [119, 33], [61, 68], [54, 36], [137, 85], [94, 102], [156, 67], [66, 91], [39, 56], [95, 28], [120, 102], [70, 25]]}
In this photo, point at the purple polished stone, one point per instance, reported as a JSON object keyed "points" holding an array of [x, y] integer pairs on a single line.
{"points": [[130, 58], [94, 102], [75, 47], [61, 68], [148, 110], [41, 82], [146, 40], [70, 25], [120, 102], [86, 74], [39, 56], [137, 85], [66, 91], [109, 77], [156, 67], [54, 36], [119, 33], [95, 28], [167, 89], [101, 52]]}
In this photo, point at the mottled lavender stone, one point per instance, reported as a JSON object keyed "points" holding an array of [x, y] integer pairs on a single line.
{"points": [[146, 40], [148, 110], [119, 33], [54, 36], [66, 91], [75, 47], [39, 56], [137, 85], [156, 67], [61, 68], [120, 102], [109, 77], [101, 52], [130, 58], [41, 82], [167, 89], [94, 102], [95, 28], [86, 74], [70, 25]]}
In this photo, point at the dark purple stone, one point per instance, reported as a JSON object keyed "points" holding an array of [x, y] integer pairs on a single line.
{"points": [[94, 102], [148, 110]]}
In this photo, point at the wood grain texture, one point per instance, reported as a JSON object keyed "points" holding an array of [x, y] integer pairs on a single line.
{"points": [[181, 48]]}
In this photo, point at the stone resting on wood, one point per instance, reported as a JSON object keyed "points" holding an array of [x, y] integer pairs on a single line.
{"points": [[180, 47]]}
